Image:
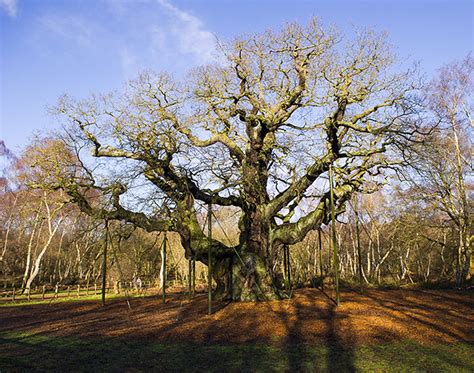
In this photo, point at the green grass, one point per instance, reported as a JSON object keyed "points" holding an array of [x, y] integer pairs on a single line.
{"points": [[29, 352], [23, 300]]}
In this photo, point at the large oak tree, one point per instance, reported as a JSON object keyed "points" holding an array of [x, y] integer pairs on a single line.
{"points": [[257, 132]]}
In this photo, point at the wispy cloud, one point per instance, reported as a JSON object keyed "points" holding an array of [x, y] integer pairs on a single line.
{"points": [[187, 33], [122, 7], [137, 35], [70, 28], [9, 7], [160, 36], [128, 62]]}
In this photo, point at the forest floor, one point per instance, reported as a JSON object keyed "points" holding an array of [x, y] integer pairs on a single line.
{"points": [[381, 330]]}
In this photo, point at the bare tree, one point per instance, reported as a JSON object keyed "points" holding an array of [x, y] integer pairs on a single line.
{"points": [[53, 221], [257, 132], [444, 163]]}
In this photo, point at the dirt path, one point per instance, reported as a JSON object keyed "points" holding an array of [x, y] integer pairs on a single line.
{"points": [[310, 316]]}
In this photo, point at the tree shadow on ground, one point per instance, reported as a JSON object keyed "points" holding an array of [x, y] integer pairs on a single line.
{"points": [[340, 356], [426, 315], [304, 333]]}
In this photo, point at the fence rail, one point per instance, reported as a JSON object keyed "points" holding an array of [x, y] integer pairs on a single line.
{"points": [[48, 292]]}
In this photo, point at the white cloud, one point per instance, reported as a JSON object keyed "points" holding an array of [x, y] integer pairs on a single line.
{"points": [[70, 28], [118, 7], [187, 34], [138, 35], [128, 62], [9, 6]]}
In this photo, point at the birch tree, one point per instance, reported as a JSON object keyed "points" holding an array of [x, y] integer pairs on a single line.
{"points": [[53, 218], [444, 163]]}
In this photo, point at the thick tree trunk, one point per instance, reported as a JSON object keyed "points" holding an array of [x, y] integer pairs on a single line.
{"points": [[252, 277], [245, 274], [244, 277]]}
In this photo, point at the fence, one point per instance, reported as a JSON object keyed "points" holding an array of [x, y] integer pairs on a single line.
{"points": [[39, 293]]}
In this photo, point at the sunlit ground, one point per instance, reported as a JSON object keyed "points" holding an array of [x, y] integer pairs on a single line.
{"points": [[409, 330]]}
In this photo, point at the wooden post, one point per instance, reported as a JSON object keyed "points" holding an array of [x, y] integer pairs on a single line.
{"points": [[68, 291], [194, 277], [286, 267], [104, 261], [78, 290], [359, 256], [209, 258], [333, 231], [320, 244], [56, 290], [13, 294], [165, 239], [43, 292], [190, 274], [329, 264]]}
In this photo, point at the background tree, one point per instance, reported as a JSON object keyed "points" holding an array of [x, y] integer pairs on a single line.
{"points": [[443, 164]]}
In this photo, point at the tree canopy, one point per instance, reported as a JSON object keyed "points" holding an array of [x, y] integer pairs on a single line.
{"points": [[257, 131]]}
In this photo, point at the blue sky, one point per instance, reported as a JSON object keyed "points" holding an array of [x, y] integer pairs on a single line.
{"points": [[52, 47]]}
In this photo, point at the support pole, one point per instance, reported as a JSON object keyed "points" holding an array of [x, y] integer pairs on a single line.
{"points": [[288, 267], [320, 246], [209, 258], [165, 241], [104, 261], [333, 234], [190, 274], [359, 256], [194, 277]]}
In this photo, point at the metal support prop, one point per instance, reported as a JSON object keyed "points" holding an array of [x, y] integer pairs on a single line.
{"points": [[165, 241], [320, 247], [359, 256], [333, 234], [104, 261], [209, 258]]}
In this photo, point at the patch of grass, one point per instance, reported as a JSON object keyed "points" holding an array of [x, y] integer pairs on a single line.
{"points": [[64, 299], [433, 285], [33, 352]]}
